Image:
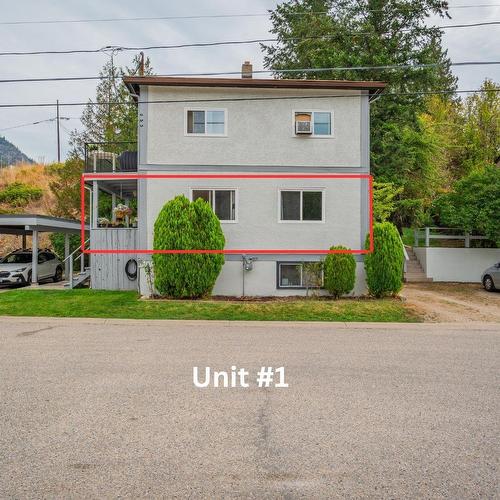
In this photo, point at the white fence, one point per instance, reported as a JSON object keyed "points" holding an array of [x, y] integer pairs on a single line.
{"points": [[439, 233], [463, 265]]}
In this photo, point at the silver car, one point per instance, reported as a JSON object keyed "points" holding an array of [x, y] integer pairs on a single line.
{"points": [[16, 267], [491, 278]]}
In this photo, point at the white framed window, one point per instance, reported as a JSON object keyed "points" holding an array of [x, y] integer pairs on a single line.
{"points": [[320, 123], [223, 201], [205, 122], [301, 205], [293, 275]]}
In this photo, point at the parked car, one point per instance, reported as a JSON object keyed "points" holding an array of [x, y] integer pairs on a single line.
{"points": [[16, 267], [491, 278]]}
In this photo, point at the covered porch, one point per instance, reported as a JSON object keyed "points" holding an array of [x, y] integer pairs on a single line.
{"points": [[31, 226]]}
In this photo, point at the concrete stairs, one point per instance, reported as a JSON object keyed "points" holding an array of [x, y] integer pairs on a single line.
{"points": [[414, 272]]}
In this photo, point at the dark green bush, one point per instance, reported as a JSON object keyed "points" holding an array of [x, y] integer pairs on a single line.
{"points": [[18, 194], [185, 225], [384, 267], [339, 272]]}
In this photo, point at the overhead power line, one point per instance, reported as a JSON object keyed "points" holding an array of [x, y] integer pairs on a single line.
{"points": [[37, 123], [239, 99], [201, 17], [119, 48], [262, 71]]}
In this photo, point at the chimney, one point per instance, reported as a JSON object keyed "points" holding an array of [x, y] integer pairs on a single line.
{"points": [[246, 70]]}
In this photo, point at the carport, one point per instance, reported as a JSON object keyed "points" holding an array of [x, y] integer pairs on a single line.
{"points": [[31, 225]]}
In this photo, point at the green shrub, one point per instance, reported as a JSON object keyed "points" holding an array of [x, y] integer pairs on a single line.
{"points": [[339, 272], [185, 225], [384, 267], [18, 194]]}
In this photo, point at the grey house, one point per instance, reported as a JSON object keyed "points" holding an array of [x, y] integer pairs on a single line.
{"points": [[244, 128]]}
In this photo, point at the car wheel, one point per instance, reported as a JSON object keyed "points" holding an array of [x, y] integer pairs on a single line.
{"points": [[488, 283], [28, 282], [58, 275]]}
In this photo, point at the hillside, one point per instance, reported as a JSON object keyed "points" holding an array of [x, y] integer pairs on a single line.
{"points": [[10, 154], [34, 179]]}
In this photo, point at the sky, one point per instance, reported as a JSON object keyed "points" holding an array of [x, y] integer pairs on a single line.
{"points": [[39, 141]]}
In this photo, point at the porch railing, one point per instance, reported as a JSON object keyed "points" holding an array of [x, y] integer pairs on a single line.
{"points": [[110, 157]]}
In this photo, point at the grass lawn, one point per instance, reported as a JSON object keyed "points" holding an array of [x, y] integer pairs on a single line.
{"points": [[110, 304]]}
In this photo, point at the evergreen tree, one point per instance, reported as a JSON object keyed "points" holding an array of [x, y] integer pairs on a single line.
{"points": [[351, 33], [112, 115]]}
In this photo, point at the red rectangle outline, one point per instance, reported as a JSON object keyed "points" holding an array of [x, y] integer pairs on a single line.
{"points": [[94, 176]]}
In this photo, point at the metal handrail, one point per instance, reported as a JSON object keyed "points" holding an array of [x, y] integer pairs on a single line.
{"points": [[76, 250], [82, 262]]}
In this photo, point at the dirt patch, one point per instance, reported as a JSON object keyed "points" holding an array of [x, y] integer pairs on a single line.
{"points": [[452, 302]]}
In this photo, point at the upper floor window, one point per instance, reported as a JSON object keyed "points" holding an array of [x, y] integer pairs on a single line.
{"points": [[314, 123], [302, 206], [206, 122], [222, 201]]}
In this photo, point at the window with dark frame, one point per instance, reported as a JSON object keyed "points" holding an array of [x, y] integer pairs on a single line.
{"points": [[222, 201], [206, 122], [301, 205], [291, 275]]}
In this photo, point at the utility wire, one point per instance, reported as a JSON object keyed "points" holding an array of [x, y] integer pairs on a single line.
{"points": [[207, 16], [36, 123], [239, 99], [119, 48], [301, 70]]}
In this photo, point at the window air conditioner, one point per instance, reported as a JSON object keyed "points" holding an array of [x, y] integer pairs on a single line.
{"points": [[303, 127]]}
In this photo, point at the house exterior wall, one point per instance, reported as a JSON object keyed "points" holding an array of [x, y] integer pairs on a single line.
{"points": [[463, 265], [107, 271], [257, 210], [260, 140], [259, 133]]}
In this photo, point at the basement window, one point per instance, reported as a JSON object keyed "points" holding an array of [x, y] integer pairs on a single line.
{"points": [[292, 275], [222, 201]]}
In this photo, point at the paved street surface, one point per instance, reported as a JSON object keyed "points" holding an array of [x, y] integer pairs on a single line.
{"points": [[106, 409]]}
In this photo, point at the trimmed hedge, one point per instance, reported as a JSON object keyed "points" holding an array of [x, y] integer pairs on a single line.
{"points": [[339, 272], [384, 267], [185, 225]]}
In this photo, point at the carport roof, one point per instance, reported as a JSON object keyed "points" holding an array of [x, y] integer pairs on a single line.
{"points": [[26, 223]]}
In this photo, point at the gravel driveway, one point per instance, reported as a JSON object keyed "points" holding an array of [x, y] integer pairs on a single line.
{"points": [[453, 302]]}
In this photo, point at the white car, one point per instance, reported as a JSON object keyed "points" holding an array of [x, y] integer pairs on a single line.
{"points": [[491, 278], [16, 267]]}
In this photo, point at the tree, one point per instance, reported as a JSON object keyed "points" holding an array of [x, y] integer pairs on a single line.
{"points": [[384, 266], [112, 115], [353, 33], [474, 204], [481, 130], [339, 272], [384, 200], [65, 186], [185, 225]]}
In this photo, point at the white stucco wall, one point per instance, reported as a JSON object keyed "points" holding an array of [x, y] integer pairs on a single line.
{"points": [[258, 132], [456, 264], [258, 226], [259, 282]]}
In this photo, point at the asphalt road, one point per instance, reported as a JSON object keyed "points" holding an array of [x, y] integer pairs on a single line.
{"points": [[100, 409]]}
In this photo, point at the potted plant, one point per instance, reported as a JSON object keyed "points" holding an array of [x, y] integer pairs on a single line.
{"points": [[103, 222]]}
